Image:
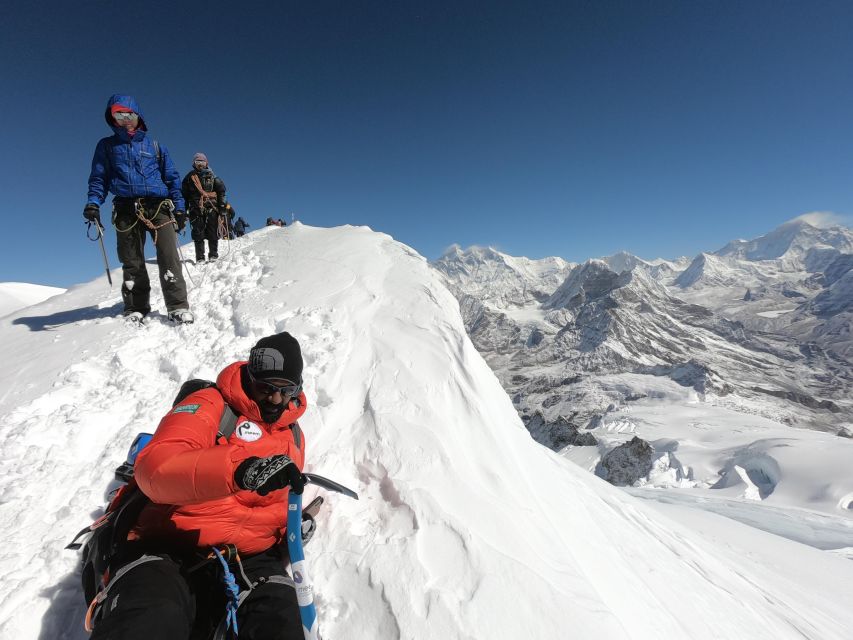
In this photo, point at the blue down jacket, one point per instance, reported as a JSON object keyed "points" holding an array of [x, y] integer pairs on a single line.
{"points": [[128, 167]]}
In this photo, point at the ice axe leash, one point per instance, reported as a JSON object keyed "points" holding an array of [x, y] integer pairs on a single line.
{"points": [[100, 239], [301, 577]]}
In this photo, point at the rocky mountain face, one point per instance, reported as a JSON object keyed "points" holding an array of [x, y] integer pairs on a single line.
{"points": [[628, 463], [558, 433], [763, 326]]}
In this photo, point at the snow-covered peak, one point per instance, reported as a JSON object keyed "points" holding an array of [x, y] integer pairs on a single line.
{"points": [[623, 261], [709, 269], [590, 280], [660, 269], [500, 280], [595, 279], [772, 283], [797, 243]]}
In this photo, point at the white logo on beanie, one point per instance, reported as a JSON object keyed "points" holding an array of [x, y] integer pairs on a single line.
{"points": [[249, 431]]}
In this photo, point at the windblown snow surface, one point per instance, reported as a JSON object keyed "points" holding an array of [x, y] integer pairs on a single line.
{"points": [[466, 528], [17, 295]]}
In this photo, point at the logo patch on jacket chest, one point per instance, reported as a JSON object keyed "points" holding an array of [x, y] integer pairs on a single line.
{"points": [[249, 431]]}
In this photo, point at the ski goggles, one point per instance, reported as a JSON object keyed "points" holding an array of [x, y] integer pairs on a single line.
{"points": [[124, 116], [290, 390]]}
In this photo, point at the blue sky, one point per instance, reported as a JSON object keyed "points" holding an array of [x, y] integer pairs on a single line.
{"points": [[576, 129]]}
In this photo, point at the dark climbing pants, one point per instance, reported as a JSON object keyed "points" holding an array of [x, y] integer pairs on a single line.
{"points": [[205, 226], [130, 238], [159, 599]]}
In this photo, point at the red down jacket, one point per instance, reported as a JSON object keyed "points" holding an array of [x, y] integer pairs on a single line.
{"points": [[190, 478]]}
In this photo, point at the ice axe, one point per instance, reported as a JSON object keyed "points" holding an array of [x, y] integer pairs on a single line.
{"points": [[301, 577], [100, 239]]}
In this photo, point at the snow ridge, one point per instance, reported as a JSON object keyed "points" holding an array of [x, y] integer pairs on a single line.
{"points": [[499, 536]]}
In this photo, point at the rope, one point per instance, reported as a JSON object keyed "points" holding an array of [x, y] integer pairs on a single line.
{"points": [[232, 591], [224, 232], [140, 217], [183, 262], [186, 266], [206, 198]]}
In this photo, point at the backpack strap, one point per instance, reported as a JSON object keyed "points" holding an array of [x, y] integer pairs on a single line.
{"points": [[227, 423], [228, 419], [297, 434]]}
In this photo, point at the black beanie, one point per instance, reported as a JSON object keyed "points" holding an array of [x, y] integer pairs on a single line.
{"points": [[276, 356]]}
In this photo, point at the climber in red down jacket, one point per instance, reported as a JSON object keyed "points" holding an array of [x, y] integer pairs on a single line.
{"points": [[209, 493]]}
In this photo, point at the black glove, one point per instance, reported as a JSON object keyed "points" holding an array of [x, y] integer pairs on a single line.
{"points": [[263, 475], [92, 213], [180, 220]]}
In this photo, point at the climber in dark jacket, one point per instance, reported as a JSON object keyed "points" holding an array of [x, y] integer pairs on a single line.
{"points": [[240, 227], [205, 195]]}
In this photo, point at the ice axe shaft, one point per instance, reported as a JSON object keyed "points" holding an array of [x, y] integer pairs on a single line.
{"points": [[298, 566], [104, 253], [100, 239]]}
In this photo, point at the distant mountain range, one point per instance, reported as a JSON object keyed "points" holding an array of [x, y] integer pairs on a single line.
{"points": [[764, 325]]}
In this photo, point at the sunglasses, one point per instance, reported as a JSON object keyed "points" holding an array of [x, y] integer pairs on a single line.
{"points": [[124, 115], [289, 390]]}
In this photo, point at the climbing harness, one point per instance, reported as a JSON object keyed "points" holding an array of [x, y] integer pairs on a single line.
{"points": [[139, 209]]}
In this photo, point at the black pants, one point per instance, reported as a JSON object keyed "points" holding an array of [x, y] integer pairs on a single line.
{"points": [[130, 244], [161, 599], [204, 225]]}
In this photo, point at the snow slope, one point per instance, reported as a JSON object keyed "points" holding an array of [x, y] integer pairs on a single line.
{"points": [[466, 528], [17, 295]]}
